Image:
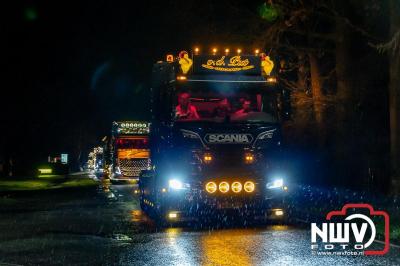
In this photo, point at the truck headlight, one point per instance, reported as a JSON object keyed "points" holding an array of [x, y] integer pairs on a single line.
{"points": [[176, 184], [278, 183]]}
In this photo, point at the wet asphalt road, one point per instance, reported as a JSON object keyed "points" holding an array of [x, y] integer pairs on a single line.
{"points": [[106, 227]]}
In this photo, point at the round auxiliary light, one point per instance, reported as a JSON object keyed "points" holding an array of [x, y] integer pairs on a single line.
{"points": [[224, 187], [249, 186], [236, 187], [211, 187]]}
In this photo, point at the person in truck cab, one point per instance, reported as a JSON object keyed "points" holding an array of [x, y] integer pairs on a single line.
{"points": [[184, 109], [246, 107]]}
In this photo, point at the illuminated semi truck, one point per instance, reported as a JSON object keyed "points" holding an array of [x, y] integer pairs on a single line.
{"points": [[215, 139], [129, 149]]}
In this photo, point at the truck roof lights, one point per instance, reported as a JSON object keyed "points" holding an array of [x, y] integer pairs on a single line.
{"points": [[170, 58]]}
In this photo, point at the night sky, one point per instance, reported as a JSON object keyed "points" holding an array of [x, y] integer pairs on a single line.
{"points": [[74, 67]]}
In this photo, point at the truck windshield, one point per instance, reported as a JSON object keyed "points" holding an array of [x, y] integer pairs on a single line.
{"points": [[240, 106]]}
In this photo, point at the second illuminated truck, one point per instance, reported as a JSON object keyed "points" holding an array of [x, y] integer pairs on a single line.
{"points": [[215, 138], [128, 150]]}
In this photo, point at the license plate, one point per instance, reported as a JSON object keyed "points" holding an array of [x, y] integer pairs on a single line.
{"points": [[229, 205]]}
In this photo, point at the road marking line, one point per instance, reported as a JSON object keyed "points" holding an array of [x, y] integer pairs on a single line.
{"points": [[390, 244]]}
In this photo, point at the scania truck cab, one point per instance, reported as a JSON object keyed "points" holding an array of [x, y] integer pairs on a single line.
{"points": [[215, 139]]}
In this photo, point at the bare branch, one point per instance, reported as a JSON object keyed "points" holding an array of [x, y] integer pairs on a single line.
{"points": [[393, 45]]}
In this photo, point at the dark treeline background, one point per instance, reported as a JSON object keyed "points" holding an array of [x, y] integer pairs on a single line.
{"points": [[73, 68]]}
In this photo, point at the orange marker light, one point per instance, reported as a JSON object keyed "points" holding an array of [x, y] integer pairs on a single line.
{"points": [[170, 58], [207, 158], [249, 158]]}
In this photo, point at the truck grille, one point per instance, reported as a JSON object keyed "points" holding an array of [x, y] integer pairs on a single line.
{"points": [[133, 167]]}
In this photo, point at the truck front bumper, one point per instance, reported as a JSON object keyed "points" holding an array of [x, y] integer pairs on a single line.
{"points": [[177, 207]]}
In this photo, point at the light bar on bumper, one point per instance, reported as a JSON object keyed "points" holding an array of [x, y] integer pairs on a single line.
{"points": [[224, 187]]}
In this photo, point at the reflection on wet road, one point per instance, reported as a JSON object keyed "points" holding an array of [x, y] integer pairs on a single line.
{"points": [[107, 227]]}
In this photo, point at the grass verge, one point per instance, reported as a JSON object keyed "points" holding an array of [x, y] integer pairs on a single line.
{"points": [[46, 182]]}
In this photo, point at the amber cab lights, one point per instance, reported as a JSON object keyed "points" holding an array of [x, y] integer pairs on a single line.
{"points": [[214, 51]]}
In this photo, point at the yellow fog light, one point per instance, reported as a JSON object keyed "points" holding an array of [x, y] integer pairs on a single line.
{"points": [[172, 215], [224, 187], [211, 187], [249, 186], [236, 187]]}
